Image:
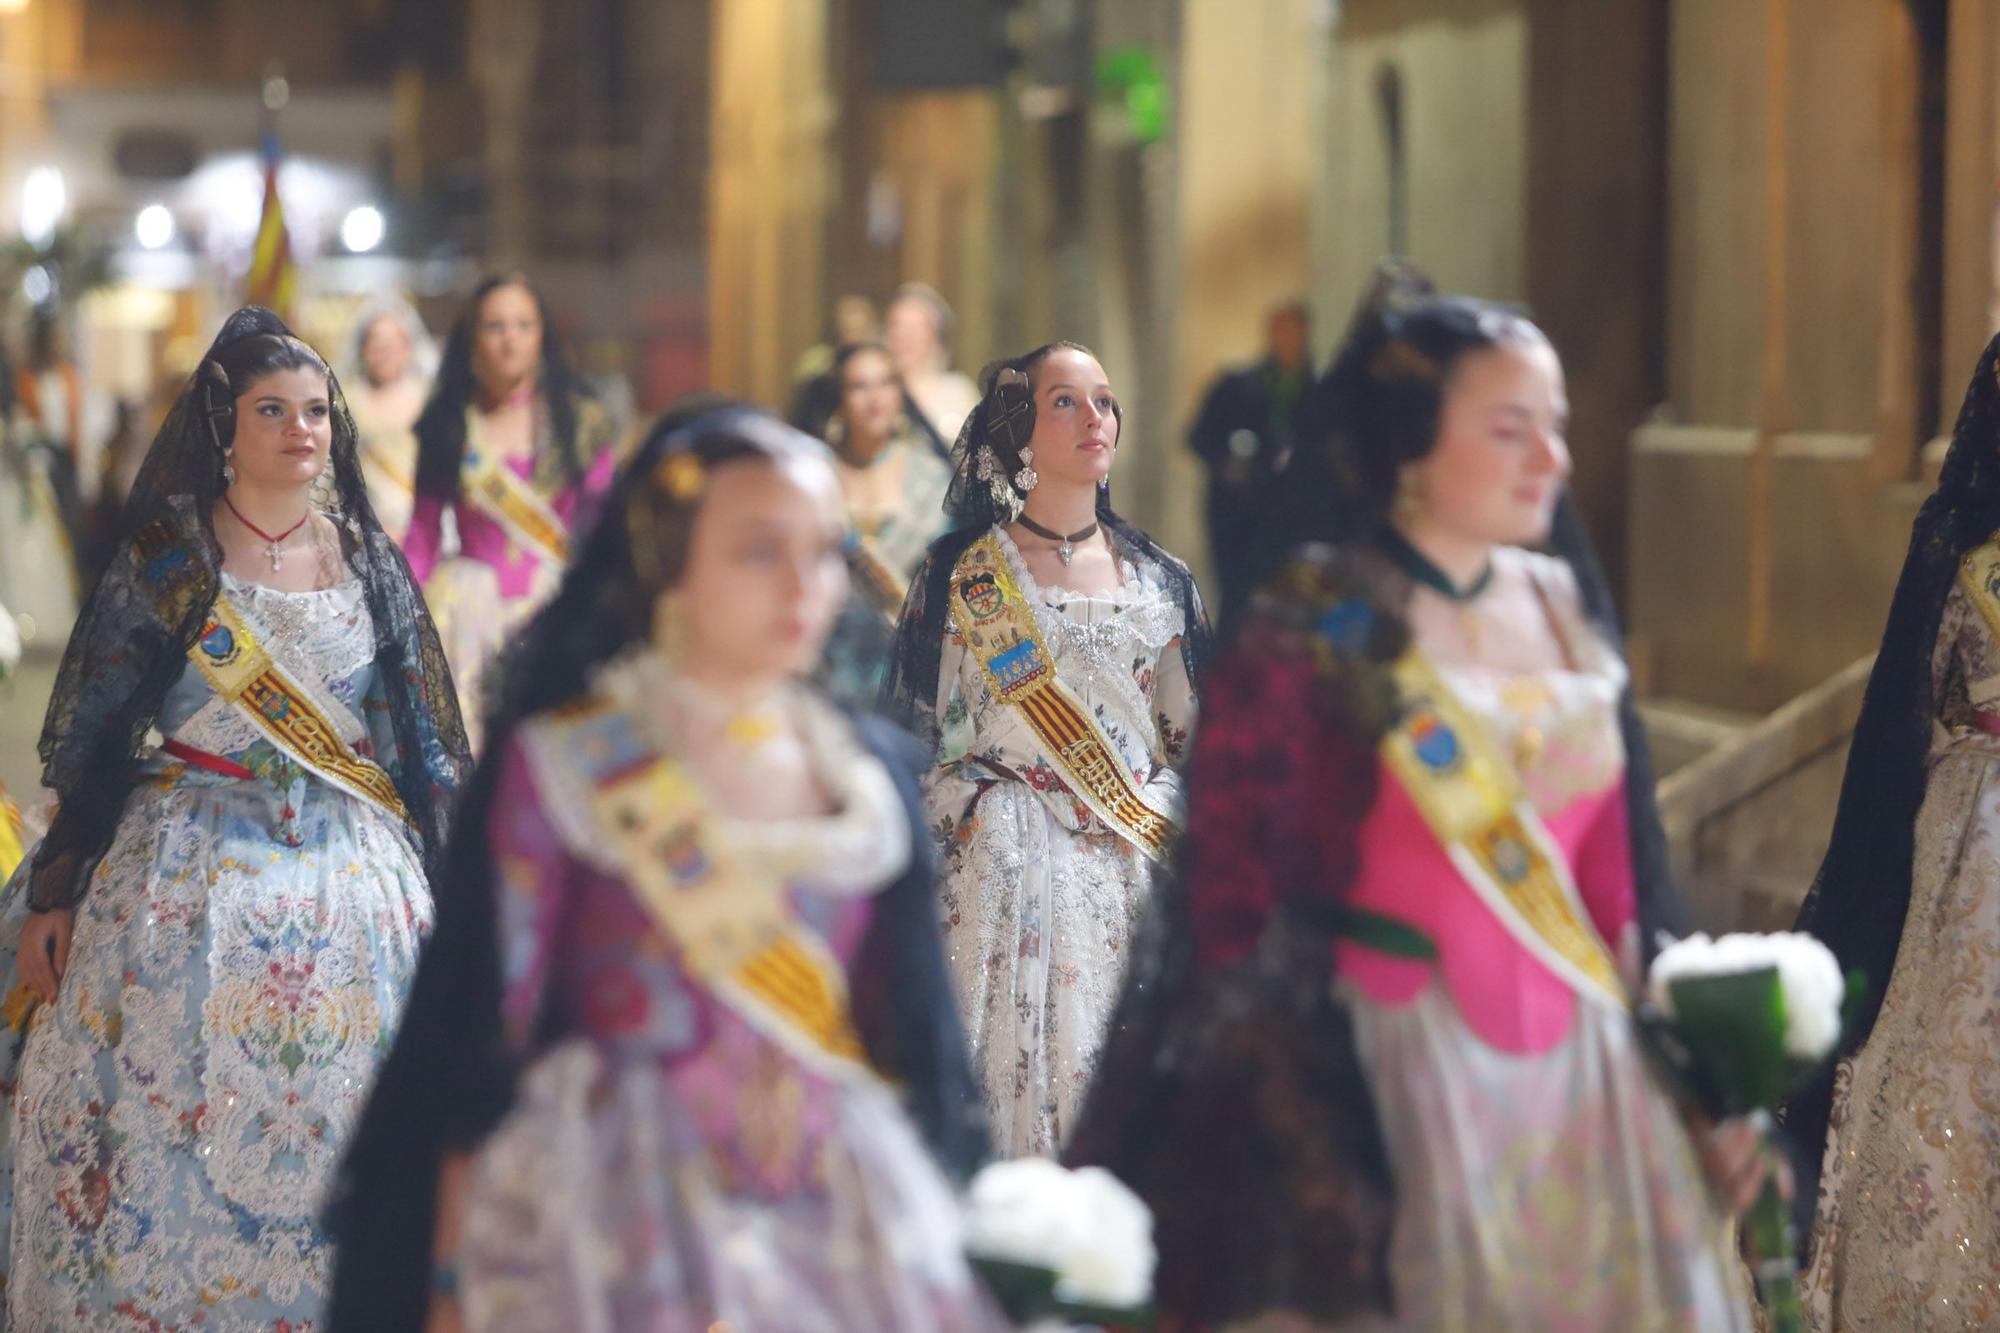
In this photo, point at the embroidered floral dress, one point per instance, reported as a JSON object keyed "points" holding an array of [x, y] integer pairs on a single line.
{"points": [[1040, 895], [1908, 1232], [669, 1163], [1543, 1180], [856, 660], [239, 961]]}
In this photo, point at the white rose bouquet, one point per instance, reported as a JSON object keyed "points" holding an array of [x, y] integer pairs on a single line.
{"points": [[1744, 1020], [1056, 1243]]}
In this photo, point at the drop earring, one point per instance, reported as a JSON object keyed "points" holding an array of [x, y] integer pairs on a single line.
{"points": [[1027, 478], [228, 468]]}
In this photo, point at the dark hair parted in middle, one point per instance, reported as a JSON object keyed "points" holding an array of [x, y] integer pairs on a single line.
{"points": [[231, 371], [1003, 422], [441, 426]]}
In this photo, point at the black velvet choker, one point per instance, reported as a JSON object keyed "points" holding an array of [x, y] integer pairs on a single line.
{"points": [[1414, 563]]}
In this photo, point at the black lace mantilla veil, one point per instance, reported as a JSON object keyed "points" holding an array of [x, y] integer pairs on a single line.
{"points": [[133, 634], [982, 495], [1862, 892], [451, 1075], [1231, 1095]]}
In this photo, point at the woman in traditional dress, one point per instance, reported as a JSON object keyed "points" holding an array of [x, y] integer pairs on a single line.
{"points": [[894, 482], [1908, 1127], [512, 449], [651, 1074], [218, 931], [917, 331], [1375, 1065], [389, 372], [37, 560], [1050, 650]]}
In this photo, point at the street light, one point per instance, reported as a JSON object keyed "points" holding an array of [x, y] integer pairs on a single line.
{"points": [[361, 230], [154, 227], [44, 196]]}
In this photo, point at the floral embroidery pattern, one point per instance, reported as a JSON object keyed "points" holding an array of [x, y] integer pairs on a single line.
{"points": [[1909, 1206], [1040, 898], [237, 967]]}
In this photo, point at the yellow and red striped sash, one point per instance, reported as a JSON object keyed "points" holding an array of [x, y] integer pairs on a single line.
{"points": [[732, 927], [999, 630], [292, 714]]}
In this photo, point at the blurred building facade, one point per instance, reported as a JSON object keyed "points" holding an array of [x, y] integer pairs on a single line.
{"points": [[1138, 176], [1761, 232], [114, 109]]}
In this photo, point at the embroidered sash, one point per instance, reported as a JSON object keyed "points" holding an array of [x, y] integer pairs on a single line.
{"points": [[1471, 798], [1979, 575], [294, 715], [732, 927], [376, 457], [498, 492], [999, 630], [873, 578]]}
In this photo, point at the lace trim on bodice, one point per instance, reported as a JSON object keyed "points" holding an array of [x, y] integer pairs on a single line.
{"points": [[864, 845], [1559, 726], [327, 635], [1102, 642]]}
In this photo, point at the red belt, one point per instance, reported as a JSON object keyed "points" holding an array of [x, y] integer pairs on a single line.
{"points": [[214, 763]]}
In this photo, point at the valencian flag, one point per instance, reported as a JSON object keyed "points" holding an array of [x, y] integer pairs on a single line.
{"points": [[273, 278]]}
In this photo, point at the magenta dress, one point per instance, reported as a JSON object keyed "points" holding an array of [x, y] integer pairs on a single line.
{"points": [[1543, 1179], [486, 586], [667, 1164]]}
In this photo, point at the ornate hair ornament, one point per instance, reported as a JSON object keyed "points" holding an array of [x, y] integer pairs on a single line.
{"points": [[1400, 360], [681, 475], [213, 378], [1399, 288], [1010, 424]]}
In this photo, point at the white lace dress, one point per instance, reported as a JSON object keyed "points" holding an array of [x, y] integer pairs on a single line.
{"points": [[1040, 896], [239, 962]]}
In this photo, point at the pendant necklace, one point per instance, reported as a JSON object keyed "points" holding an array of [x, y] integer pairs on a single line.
{"points": [[1067, 545], [274, 546]]}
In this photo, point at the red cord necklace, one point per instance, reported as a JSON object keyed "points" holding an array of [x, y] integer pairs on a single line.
{"points": [[274, 546]]}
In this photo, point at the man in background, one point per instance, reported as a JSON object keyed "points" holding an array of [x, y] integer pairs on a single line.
{"points": [[1246, 428]]}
